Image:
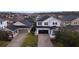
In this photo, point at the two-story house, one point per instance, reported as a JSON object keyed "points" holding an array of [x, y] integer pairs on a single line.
{"points": [[75, 22], [23, 25], [47, 25], [68, 19]]}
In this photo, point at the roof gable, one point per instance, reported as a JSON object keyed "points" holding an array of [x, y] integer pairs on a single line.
{"points": [[18, 23], [42, 18], [45, 18], [77, 19], [25, 23], [50, 19]]}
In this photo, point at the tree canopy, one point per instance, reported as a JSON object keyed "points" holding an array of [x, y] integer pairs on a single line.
{"points": [[68, 38]]}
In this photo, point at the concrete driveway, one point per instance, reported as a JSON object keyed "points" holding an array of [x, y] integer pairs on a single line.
{"points": [[44, 40], [18, 40]]}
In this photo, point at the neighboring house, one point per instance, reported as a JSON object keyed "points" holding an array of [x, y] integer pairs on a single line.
{"points": [[71, 22], [74, 25], [23, 25], [47, 25], [75, 22], [19, 27], [12, 29], [3, 23], [67, 19]]}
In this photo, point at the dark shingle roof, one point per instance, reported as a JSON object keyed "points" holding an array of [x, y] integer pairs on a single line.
{"points": [[42, 18], [12, 28], [64, 17], [27, 23], [1, 19], [69, 17]]}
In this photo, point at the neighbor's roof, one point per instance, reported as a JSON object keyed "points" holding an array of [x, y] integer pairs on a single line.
{"points": [[25, 23], [11, 28], [1, 20], [18, 23], [69, 17]]}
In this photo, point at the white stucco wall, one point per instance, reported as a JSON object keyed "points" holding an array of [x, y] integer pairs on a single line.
{"points": [[4, 24]]}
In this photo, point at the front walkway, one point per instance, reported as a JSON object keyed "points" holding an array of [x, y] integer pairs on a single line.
{"points": [[18, 40], [44, 40]]}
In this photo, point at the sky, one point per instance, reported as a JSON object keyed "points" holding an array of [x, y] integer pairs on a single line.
{"points": [[39, 5]]}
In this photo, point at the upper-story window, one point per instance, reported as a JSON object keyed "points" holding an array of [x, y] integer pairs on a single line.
{"points": [[54, 23], [39, 23], [46, 23]]}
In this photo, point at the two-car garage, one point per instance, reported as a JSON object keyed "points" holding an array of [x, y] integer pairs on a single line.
{"points": [[43, 31]]}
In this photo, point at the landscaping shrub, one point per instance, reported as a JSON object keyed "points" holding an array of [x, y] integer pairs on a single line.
{"points": [[4, 35], [67, 38]]}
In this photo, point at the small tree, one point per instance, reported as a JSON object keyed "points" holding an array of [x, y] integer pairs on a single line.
{"points": [[33, 28]]}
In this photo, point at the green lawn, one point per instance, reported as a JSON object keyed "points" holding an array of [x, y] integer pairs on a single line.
{"points": [[4, 43], [30, 41]]}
